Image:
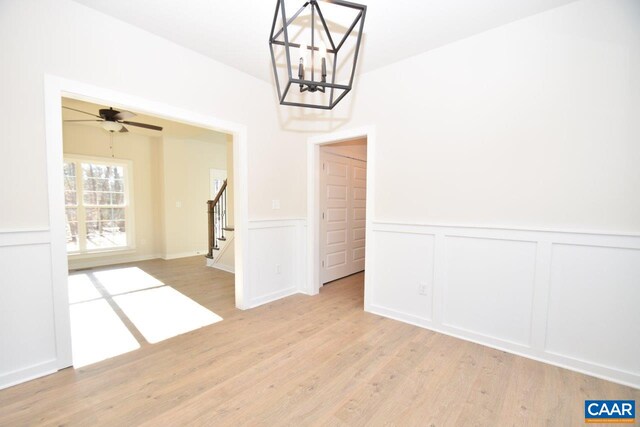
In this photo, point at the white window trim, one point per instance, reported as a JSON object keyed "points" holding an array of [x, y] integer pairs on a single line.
{"points": [[128, 199]]}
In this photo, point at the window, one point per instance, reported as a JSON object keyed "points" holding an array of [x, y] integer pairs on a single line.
{"points": [[99, 216]]}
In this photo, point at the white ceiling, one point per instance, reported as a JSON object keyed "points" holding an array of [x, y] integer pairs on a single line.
{"points": [[236, 32]]}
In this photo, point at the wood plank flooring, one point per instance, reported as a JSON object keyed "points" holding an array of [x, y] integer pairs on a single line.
{"points": [[303, 361]]}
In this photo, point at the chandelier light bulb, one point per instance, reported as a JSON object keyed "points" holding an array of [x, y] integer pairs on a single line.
{"points": [[323, 61], [302, 53]]}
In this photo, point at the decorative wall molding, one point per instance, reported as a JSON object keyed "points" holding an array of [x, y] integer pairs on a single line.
{"points": [[24, 236], [20, 250], [276, 261], [426, 275], [604, 238], [565, 298], [275, 223]]}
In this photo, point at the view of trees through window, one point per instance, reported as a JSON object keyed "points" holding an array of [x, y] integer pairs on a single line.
{"points": [[95, 200]]}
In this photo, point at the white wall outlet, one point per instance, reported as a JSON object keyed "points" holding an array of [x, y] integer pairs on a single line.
{"points": [[275, 204], [278, 269], [422, 288], [178, 204]]}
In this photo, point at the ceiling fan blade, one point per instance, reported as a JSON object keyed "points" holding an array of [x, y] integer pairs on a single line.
{"points": [[123, 115], [80, 111], [75, 121], [124, 130], [142, 125]]}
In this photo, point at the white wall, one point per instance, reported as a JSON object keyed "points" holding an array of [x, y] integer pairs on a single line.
{"points": [[62, 38], [531, 126], [186, 189], [66, 39]]}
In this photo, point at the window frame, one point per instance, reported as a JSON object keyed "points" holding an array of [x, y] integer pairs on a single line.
{"points": [[129, 209]]}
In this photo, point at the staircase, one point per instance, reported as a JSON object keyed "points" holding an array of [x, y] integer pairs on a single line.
{"points": [[220, 253]]}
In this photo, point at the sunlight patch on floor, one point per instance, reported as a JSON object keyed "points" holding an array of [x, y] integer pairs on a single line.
{"points": [[82, 289], [156, 310], [98, 333], [162, 313], [122, 280]]}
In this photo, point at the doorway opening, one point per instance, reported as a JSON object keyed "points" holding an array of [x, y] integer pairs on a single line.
{"points": [[56, 89], [136, 210], [340, 202], [342, 195]]}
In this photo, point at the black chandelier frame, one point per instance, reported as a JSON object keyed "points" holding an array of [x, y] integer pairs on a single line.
{"points": [[313, 85]]}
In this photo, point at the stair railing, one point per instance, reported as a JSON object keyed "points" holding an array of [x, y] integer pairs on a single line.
{"points": [[217, 219]]}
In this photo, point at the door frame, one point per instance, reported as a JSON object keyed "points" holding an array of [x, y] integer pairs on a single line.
{"points": [[312, 285], [57, 87], [348, 162]]}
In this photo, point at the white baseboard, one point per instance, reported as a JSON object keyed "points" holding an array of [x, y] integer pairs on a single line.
{"points": [[98, 261], [223, 267], [398, 315], [177, 255], [272, 297], [109, 260], [26, 374], [412, 320]]}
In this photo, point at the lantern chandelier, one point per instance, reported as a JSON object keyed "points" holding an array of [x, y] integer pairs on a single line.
{"points": [[305, 47]]}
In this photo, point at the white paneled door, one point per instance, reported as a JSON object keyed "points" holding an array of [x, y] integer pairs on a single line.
{"points": [[342, 226]]}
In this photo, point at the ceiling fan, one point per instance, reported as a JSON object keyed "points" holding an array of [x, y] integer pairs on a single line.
{"points": [[113, 120]]}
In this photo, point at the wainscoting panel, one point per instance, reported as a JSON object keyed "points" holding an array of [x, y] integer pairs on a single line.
{"points": [[407, 264], [27, 333], [594, 305], [565, 298], [276, 259], [489, 287]]}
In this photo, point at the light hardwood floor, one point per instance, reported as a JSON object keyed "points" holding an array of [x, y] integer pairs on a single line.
{"points": [[303, 361]]}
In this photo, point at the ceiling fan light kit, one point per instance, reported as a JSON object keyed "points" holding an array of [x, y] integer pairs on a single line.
{"points": [[112, 126], [314, 59]]}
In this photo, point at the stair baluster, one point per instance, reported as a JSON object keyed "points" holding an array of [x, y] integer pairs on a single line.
{"points": [[217, 219]]}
